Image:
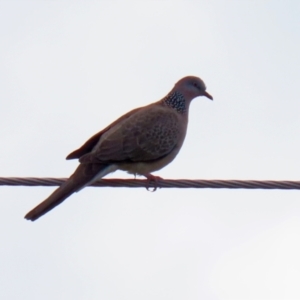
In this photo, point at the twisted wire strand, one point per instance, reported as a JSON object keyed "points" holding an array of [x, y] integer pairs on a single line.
{"points": [[163, 183]]}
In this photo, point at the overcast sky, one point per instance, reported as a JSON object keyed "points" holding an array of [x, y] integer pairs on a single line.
{"points": [[69, 68]]}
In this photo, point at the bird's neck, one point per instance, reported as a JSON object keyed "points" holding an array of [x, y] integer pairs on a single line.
{"points": [[176, 101]]}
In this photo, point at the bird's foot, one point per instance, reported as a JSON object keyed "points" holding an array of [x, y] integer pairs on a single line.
{"points": [[152, 182]]}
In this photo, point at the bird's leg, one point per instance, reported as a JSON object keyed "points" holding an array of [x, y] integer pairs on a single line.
{"points": [[152, 179]]}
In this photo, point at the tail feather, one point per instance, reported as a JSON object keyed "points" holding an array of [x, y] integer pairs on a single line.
{"points": [[84, 174], [56, 198]]}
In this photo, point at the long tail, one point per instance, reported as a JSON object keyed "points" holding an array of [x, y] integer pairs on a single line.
{"points": [[83, 175]]}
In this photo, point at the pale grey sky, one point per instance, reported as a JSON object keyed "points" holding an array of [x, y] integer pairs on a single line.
{"points": [[69, 68]]}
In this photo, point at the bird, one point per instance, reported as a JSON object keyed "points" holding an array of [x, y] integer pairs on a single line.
{"points": [[142, 141]]}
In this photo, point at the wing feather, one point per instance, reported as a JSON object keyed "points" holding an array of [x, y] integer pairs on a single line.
{"points": [[88, 146]]}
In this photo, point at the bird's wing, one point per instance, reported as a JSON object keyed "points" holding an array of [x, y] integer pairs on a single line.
{"points": [[146, 135], [92, 142]]}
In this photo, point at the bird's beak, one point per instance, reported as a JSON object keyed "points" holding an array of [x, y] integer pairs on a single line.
{"points": [[206, 94]]}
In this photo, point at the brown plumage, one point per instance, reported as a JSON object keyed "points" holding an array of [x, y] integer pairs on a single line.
{"points": [[140, 142]]}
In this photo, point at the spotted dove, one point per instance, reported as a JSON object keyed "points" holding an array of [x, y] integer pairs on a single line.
{"points": [[140, 142]]}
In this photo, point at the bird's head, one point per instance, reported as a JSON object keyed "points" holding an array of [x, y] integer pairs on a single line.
{"points": [[191, 87]]}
